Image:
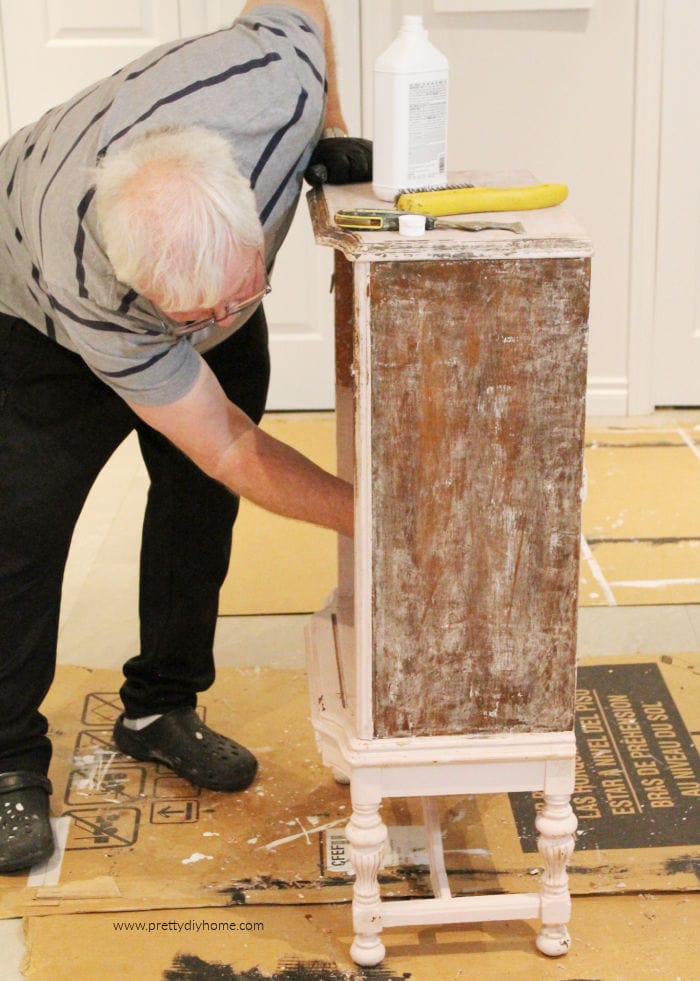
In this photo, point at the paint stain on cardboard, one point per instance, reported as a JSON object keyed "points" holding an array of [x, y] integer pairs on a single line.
{"points": [[682, 863], [187, 967]]}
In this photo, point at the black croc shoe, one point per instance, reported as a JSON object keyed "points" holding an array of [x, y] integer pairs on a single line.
{"points": [[182, 741], [25, 830]]}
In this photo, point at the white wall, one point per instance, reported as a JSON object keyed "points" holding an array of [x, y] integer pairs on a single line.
{"points": [[551, 92]]}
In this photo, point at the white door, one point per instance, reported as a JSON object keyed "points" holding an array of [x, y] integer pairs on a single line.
{"points": [[53, 48], [676, 362]]}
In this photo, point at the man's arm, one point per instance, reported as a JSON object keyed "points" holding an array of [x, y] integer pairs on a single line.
{"points": [[316, 10], [228, 446]]}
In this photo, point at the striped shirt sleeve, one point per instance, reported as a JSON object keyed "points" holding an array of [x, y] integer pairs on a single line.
{"points": [[260, 83]]}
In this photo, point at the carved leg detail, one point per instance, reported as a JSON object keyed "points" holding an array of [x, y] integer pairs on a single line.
{"points": [[556, 824], [367, 836]]}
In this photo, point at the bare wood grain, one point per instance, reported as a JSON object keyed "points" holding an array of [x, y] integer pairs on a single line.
{"points": [[478, 382]]}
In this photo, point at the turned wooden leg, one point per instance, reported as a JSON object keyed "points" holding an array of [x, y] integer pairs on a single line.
{"points": [[556, 824], [367, 836]]}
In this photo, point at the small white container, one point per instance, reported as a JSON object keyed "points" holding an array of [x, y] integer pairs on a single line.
{"points": [[410, 224], [410, 114]]}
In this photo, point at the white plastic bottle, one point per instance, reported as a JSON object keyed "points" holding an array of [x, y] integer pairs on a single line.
{"points": [[410, 113]]}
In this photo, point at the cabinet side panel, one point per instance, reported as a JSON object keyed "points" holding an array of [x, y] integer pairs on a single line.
{"points": [[344, 612], [344, 321], [478, 398]]}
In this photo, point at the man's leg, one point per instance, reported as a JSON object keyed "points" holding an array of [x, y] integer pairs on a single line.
{"points": [[58, 426], [185, 555]]}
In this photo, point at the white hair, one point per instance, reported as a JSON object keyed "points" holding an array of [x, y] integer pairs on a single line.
{"points": [[174, 210]]}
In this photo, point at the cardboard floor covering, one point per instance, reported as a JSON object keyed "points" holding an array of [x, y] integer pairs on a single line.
{"points": [[641, 524], [631, 938], [134, 837]]}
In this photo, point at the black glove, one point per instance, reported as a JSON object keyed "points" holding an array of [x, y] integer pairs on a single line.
{"points": [[340, 160]]}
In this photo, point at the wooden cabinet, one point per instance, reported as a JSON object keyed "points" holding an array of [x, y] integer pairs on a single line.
{"points": [[445, 663]]}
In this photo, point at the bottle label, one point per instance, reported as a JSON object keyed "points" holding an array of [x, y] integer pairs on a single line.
{"points": [[427, 127]]}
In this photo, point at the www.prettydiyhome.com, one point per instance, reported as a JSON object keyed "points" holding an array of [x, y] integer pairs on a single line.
{"points": [[188, 926]]}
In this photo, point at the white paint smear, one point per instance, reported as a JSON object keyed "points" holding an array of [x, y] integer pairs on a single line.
{"points": [[597, 572], [689, 442], [48, 873], [196, 857], [305, 834]]}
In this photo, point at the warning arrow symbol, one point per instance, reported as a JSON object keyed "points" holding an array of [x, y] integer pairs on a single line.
{"points": [[168, 812], [175, 813]]}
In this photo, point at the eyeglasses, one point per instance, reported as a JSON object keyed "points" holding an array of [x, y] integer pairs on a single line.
{"points": [[230, 310]]}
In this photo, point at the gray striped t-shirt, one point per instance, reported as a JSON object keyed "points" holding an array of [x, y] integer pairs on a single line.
{"points": [[259, 83]]}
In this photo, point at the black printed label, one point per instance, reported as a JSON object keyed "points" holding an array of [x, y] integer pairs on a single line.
{"points": [[637, 768]]}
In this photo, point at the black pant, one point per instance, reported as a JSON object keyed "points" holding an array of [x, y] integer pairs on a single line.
{"points": [[59, 424]]}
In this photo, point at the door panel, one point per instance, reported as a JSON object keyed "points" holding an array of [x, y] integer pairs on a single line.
{"points": [[54, 48], [676, 363]]}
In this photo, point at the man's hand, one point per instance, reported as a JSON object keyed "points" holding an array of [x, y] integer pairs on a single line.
{"points": [[340, 160]]}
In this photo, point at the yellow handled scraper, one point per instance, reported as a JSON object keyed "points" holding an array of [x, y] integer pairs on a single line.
{"points": [[465, 199], [369, 219]]}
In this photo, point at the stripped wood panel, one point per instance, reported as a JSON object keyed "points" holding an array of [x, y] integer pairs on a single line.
{"points": [[478, 373], [344, 614], [461, 371]]}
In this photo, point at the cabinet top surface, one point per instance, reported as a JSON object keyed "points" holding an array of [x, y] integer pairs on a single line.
{"points": [[547, 232]]}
